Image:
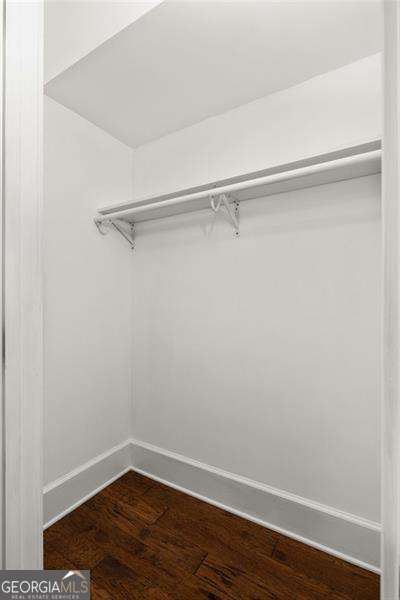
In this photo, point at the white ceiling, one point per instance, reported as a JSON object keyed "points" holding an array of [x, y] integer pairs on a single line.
{"points": [[73, 28], [187, 60]]}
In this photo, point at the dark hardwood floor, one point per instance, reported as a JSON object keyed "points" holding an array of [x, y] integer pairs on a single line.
{"points": [[142, 539]]}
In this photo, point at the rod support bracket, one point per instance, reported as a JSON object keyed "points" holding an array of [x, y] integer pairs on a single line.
{"points": [[100, 224], [126, 230], [232, 212], [236, 210]]}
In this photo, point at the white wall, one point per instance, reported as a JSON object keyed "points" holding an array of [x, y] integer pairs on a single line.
{"points": [[261, 355], [340, 108], [87, 294]]}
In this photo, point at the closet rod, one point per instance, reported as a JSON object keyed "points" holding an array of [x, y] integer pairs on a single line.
{"points": [[356, 160]]}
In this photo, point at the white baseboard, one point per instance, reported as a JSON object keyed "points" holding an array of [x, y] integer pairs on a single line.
{"points": [[349, 537], [341, 534], [66, 493]]}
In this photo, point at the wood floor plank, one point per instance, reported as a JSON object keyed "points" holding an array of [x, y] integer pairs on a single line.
{"points": [[186, 554], [240, 532], [75, 544], [118, 580], [82, 552], [160, 566], [195, 588], [170, 581], [339, 575], [137, 482], [59, 531], [274, 582], [164, 568], [235, 556], [234, 582], [216, 538], [99, 593], [142, 539], [134, 507], [190, 589], [54, 560]]}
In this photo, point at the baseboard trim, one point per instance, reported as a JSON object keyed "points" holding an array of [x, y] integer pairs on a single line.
{"points": [[66, 493], [340, 534]]}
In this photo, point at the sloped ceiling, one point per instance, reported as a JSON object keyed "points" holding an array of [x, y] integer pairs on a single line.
{"points": [[184, 61], [73, 28]]}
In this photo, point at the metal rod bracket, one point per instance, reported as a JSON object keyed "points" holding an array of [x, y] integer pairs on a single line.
{"points": [[233, 213], [126, 230]]}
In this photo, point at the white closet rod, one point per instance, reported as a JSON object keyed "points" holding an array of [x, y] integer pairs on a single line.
{"points": [[355, 160]]}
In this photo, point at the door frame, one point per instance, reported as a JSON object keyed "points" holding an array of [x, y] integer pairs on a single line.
{"points": [[22, 278], [390, 402]]}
